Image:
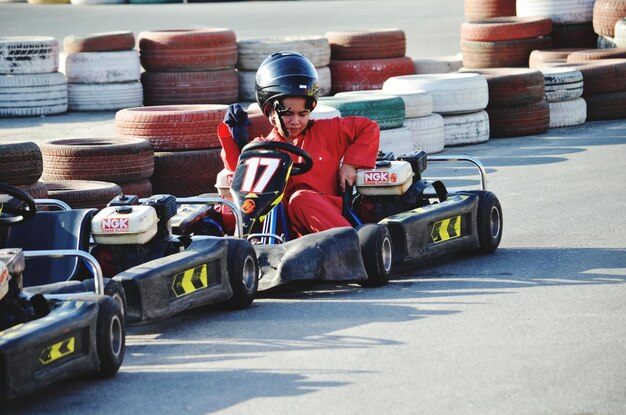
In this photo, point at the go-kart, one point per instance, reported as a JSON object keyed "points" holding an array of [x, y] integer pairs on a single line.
{"points": [[397, 217], [45, 338]]}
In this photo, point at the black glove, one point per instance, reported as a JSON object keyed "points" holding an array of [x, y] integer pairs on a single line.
{"points": [[237, 121]]}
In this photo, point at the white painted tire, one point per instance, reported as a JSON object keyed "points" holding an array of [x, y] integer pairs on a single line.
{"points": [[416, 103], [620, 33], [247, 90], [104, 97], [324, 112], [101, 67], [562, 84], [560, 11], [466, 129], [427, 133], [252, 52], [28, 54], [32, 95], [443, 64], [568, 113], [396, 140], [452, 93], [606, 42]]}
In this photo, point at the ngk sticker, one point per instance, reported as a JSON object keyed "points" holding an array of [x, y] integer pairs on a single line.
{"points": [[114, 225], [4, 276], [376, 177]]}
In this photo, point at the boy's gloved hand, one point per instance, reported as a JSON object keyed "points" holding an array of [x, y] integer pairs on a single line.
{"points": [[237, 120]]}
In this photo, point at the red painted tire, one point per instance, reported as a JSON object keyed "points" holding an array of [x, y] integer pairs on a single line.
{"points": [[360, 75], [520, 120], [511, 53], [99, 42], [83, 193], [602, 76], [596, 54], [513, 86], [609, 106], [260, 126], [22, 163], [577, 35], [116, 160], [186, 173], [173, 127], [484, 9], [187, 50], [174, 88], [141, 188], [506, 28], [605, 14], [373, 44]]}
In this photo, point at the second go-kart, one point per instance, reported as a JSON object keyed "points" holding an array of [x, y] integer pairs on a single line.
{"points": [[47, 338], [398, 218]]}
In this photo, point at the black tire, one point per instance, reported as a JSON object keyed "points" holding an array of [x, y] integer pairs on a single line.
{"points": [[243, 274], [110, 337], [377, 253], [489, 222], [113, 289]]}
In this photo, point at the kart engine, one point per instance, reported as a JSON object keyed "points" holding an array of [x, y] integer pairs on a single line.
{"points": [[394, 186], [127, 234]]}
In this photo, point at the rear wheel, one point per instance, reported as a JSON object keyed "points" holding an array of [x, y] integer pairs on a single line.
{"points": [[110, 337], [113, 289], [243, 274], [489, 222], [377, 253]]}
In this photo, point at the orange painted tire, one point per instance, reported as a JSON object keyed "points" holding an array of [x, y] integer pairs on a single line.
{"points": [[206, 87], [186, 173], [605, 14], [484, 9], [577, 35], [510, 53], [173, 127], [513, 86], [187, 50], [596, 54], [374, 44], [99, 42], [116, 160], [506, 28], [365, 74], [543, 57], [520, 120]]}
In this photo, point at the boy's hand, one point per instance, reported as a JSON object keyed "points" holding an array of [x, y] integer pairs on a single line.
{"points": [[347, 173]]}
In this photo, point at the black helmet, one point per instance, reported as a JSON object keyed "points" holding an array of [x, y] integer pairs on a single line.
{"points": [[286, 74]]}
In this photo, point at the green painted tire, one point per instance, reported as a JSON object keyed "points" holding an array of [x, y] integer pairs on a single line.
{"points": [[388, 112]]}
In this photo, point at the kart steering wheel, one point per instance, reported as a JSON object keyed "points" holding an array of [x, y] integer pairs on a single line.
{"points": [[10, 215], [298, 168]]}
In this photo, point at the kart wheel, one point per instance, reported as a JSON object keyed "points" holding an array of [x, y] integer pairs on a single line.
{"points": [[243, 273], [110, 337], [377, 252], [489, 222], [113, 289]]}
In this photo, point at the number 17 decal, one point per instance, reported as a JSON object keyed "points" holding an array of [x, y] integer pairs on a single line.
{"points": [[252, 167]]}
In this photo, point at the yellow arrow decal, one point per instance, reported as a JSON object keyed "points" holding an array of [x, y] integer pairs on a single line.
{"points": [[57, 351], [446, 229], [191, 280]]}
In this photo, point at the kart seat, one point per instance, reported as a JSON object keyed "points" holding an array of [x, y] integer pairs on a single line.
{"points": [[64, 229]]}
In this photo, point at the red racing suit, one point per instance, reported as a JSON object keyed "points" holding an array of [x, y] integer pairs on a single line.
{"points": [[313, 199]]}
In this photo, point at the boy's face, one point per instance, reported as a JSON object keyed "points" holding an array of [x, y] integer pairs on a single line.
{"points": [[296, 118]]}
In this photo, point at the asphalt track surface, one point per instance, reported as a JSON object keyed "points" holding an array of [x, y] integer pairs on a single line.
{"points": [[539, 327]]}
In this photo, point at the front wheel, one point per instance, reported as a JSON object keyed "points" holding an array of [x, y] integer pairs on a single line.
{"points": [[489, 222], [243, 274], [110, 337], [377, 253], [112, 288]]}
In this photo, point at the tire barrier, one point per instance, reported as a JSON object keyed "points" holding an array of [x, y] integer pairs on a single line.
{"points": [[83, 193], [562, 84], [442, 64], [141, 188], [116, 160], [104, 97], [464, 129], [206, 87], [608, 106], [427, 133], [544, 57], [22, 163], [568, 113], [372, 44], [173, 127], [596, 54], [575, 35], [396, 140], [520, 120], [506, 28], [606, 42], [510, 53], [560, 11], [101, 67], [186, 173], [416, 103], [28, 55], [620, 33], [99, 42], [606, 13], [252, 52], [513, 86], [453, 93], [28, 95], [484, 9], [387, 111], [364, 74]]}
